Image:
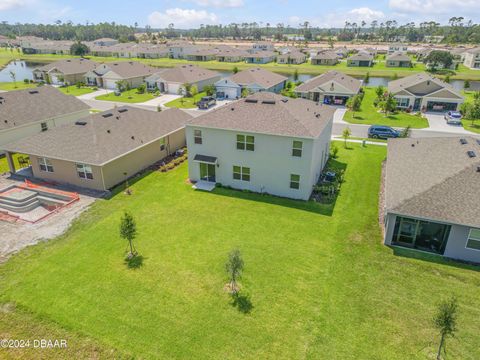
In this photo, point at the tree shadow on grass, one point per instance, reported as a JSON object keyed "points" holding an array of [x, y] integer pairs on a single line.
{"points": [[134, 263], [242, 302]]}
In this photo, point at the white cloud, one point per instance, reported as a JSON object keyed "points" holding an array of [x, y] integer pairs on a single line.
{"points": [[220, 3], [13, 4], [446, 7], [338, 18], [181, 18]]}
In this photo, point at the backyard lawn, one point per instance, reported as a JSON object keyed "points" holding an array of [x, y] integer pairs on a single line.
{"points": [[467, 124], [186, 102], [369, 115], [4, 163], [76, 91], [318, 283], [129, 96], [19, 85]]}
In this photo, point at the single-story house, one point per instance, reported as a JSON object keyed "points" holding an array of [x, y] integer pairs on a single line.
{"points": [[105, 42], [398, 59], [332, 87], [423, 92], [106, 75], [253, 79], [472, 58], [104, 149], [31, 111], [397, 47], [231, 55], [325, 57], [67, 71], [432, 192], [293, 57], [361, 59], [201, 54], [171, 80], [261, 57], [265, 143]]}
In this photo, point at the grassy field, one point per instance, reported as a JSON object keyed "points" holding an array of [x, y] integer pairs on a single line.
{"points": [[186, 102], [19, 85], [318, 283], [75, 91], [467, 124], [129, 96], [379, 69], [4, 164], [369, 115]]}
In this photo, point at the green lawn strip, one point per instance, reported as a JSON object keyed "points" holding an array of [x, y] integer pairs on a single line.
{"points": [[76, 91], [379, 69], [4, 163], [475, 127], [369, 115], [339, 138], [186, 102], [320, 283], [129, 96], [19, 85]]}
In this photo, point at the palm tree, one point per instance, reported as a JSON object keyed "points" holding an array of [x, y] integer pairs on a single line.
{"points": [[13, 76]]}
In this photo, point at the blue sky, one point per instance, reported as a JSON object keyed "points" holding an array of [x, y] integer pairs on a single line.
{"points": [[192, 13]]}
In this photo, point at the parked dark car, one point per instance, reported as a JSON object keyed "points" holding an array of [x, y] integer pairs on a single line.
{"points": [[206, 102], [453, 117], [382, 132]]}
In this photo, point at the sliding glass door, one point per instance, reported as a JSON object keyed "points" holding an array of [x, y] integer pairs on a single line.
{"points": [[207, 172], [420, 234]]}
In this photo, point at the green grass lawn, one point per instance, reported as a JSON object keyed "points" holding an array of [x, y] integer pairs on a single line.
{"points": [[75, 91], [19, 85], [318, 284], [369, 115], [129, 96], [4, 163], [467, 124], [186, 102]]}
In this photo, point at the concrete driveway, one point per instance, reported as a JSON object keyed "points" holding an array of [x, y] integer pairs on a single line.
{"points": [[94, 94], [161, 100], [437, 123]]}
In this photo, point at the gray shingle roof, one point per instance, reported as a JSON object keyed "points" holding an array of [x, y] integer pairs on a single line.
{"points": [[22, 107], [396, 86], [344, 80], [131, 69], [278, 116], [361, 56], [398, 56], [434, 178], [325, 54], [258, 76], [71, 66], [187, 74], [102, 139]]}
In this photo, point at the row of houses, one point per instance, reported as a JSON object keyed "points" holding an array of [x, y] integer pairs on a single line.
{"points": [[265, 143]]}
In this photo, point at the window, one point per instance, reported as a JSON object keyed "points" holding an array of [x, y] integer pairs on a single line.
{"points": [[162, 144], [294, 181], [44, 126], [297, 148], [241, 173], [197, 136], [246, 142], [403, 102], [473, 241], [84, 171], [45, 165]]}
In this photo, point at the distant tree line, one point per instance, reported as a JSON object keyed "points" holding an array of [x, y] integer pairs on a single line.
{"points": [[69, 31]]}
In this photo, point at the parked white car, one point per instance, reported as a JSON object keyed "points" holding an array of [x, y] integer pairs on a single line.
{"points": [[453, 117]]}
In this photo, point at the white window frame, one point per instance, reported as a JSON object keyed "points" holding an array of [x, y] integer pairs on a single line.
{"points": [[245, 143], [197, 134], [297, 148], [84, 169], [162, 144], [295, 181], [470, 237], [400, 100], [245, 172], [46, 163]]}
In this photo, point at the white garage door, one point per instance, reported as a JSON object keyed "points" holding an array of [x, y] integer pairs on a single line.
{"points": [[229, 93], [173, 88], [110, 84], [54, 80]]}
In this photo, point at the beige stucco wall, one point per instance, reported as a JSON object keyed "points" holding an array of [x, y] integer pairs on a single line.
{"points": [[10, 135]]}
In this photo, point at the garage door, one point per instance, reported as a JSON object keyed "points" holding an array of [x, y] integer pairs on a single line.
{"points": [[441, 106], [227, 93], [54, 80], [173, 88], [110, 84]]}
